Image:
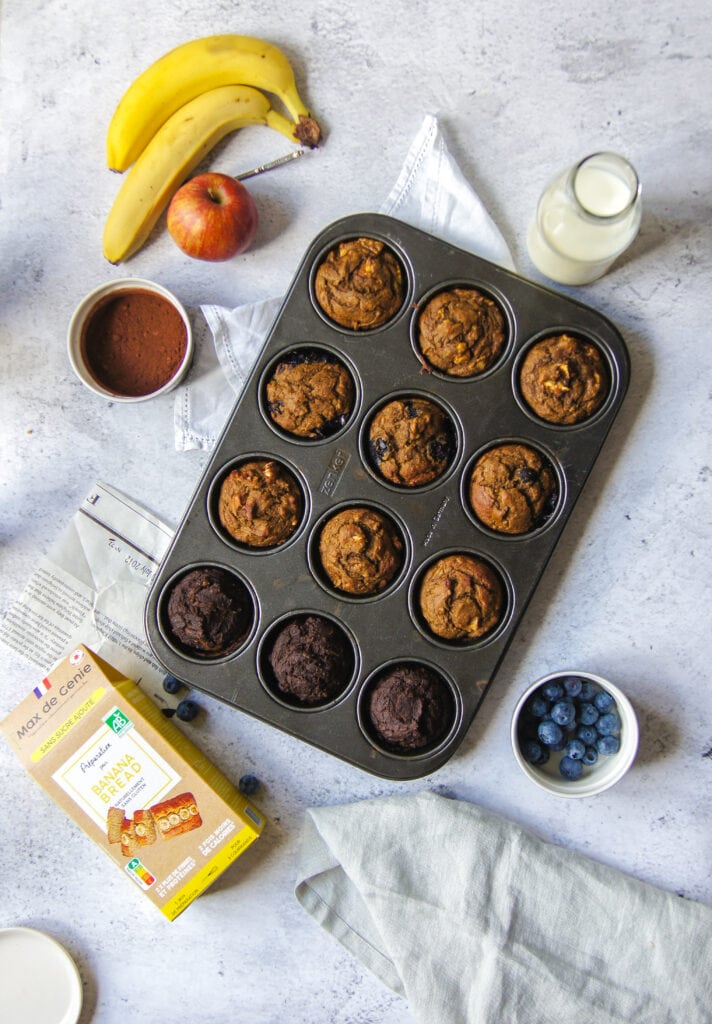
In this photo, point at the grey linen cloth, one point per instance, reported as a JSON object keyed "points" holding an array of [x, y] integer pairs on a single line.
{"points": [[476, 921]]}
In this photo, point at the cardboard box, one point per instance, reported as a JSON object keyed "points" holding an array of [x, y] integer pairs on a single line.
{"points": [[131, 780]]}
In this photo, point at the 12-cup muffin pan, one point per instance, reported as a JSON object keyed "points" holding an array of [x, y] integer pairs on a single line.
{"points": [[336, 472]]}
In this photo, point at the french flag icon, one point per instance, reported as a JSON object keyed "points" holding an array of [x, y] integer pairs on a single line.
{"points": [[41, 690]]}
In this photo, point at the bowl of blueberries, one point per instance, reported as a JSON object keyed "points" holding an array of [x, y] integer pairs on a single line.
{"points": [[574, 733]]}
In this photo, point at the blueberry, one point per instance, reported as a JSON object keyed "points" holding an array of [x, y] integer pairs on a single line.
{"points": [[172, 685], [538, 706], [603, 701], [187, 710], [609, 724], [555, 747], [553, 690], [588, 734], [573, 685], [248, 785], [563, 712], [569, 768], [587, 714], [527, 475], [608, 745], [576, 749], [590, 756], [550, 733], [588, 690]]}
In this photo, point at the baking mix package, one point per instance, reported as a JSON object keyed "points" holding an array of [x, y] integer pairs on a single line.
{"points": [[131, 780]]}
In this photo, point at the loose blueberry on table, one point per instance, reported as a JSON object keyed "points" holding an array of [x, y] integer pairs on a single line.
{"points": [[573, 716]]}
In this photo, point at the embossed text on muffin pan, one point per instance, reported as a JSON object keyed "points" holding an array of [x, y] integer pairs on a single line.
{"points": [[335, 472]]}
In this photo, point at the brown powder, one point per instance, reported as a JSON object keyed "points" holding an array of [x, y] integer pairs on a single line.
{"points": [[134, 342]]}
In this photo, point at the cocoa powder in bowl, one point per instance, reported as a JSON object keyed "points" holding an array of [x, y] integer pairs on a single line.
{"points": [[133, 342]]}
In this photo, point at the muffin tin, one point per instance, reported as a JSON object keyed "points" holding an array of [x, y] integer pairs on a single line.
{"points": [[336, 472]]}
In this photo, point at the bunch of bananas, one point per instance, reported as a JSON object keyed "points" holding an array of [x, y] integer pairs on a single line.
{"points": [[178, 109]]}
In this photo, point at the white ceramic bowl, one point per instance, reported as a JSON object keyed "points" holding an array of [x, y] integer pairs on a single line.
{"points": [[609, 768], [85, 309]]}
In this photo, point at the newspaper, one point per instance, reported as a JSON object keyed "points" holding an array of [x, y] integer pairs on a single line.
{"points": [[91, 589]]}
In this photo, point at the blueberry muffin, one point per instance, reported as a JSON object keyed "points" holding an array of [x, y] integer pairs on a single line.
{"points": [[461, 598], [310, 395], [311, 660], [564, 379], [512, 488], [361, 550], [462, 332], [409, 708], [411, 441], [209, 611], [260, 503], [360, 285]]}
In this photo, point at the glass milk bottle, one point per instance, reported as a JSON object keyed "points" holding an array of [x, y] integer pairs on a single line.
{"points": [[585, 219]]}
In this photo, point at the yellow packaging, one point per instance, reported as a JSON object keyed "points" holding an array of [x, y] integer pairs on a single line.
{"points": [[131, 780]]}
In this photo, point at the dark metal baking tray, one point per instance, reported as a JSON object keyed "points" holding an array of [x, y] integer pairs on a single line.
{"points": [[334, 472]]}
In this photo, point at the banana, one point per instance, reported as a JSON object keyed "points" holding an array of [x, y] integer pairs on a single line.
{"points": [[194, 68], [176, 148]]}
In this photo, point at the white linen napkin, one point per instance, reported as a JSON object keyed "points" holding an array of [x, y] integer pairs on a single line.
{"points": [[476, 921], [430, 193]]}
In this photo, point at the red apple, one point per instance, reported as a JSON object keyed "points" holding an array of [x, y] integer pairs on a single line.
{"points": [[212, 217]]}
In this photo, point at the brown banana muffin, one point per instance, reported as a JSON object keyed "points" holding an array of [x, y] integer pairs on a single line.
{"points": [[360, 284], [564, 379], [210, 611], [360, 550], [411, 441], [461, 332], [512, 488], [310, 395], [410, 707], [260, 503], [461, 597]]}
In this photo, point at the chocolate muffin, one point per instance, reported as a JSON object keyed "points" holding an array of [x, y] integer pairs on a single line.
{"points": [[410, 708], [209, 611], [411, 441], [461, 597], [360, 285], [260, 503], [512, 488], [461, 331], [310, 395], [564, 379], [311, 660], [360, 550]]}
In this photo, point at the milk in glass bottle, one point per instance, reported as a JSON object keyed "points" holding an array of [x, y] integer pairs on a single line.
{"points": [[585, 219]]}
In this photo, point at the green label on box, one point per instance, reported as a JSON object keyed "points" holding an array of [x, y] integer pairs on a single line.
{"points": [[118, 722]]}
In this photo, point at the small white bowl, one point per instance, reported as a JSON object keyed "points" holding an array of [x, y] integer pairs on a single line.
{"points": [[609, 768], [84, 311]]}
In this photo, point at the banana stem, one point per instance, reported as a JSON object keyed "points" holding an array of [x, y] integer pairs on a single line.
{"points": [[272, 163]]}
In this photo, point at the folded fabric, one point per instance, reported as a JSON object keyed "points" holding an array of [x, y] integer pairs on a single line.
{"points": [[476, 921], [430, 193]]}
